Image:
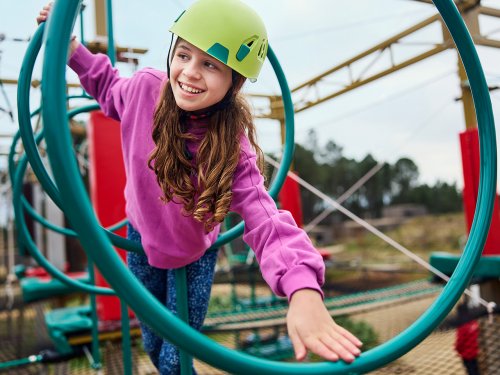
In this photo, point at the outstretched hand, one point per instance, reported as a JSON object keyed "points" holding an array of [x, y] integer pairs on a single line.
{"points": [[310, 327]]}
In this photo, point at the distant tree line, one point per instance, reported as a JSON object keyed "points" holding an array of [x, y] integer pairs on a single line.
{"points": [[330, 171]]}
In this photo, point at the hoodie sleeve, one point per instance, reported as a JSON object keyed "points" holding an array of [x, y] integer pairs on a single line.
{"points": [[100, 80], [287, 258]]}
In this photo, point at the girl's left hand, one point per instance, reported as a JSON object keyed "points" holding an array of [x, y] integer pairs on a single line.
{"points": [[311, 327]]}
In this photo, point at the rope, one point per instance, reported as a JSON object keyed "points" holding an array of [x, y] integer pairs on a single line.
{"points": [[345, 196]]}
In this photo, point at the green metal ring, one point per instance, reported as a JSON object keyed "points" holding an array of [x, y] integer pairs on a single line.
{"points": [[163, 321], [26, 133], [30, 210], [29, 244]]}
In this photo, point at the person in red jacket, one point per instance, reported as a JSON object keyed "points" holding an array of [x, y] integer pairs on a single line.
{"points": [[467, 343]]}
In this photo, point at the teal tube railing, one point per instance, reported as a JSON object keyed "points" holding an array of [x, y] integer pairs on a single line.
{"points": [[164, 322], [110, 31], [181, 293], [21, 362], [29, 143], [29, 209], [31, 246], [126, 341]]}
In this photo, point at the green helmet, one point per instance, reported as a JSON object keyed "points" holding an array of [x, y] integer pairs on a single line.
{"points": [[228, 30]]}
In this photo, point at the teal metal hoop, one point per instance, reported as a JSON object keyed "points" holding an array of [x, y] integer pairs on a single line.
{"points": [[31, 246], [26, 133], [162, 320], [23, 94]]}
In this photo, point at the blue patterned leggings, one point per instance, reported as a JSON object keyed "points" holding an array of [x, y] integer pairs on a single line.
{"points": [[161, 283]]}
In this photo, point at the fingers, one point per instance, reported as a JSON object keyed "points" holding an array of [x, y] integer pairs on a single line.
{"points": [[341, 347], [353, 340], [333, 348], [298, 346], [329, 353], [42, 17], [332, 345], [44, 13], [48, 6], [311, 327]]}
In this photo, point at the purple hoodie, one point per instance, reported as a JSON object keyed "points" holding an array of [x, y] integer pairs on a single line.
{"points": [[287, 259]]}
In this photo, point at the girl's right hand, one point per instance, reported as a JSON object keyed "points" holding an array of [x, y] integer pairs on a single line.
{"points": [[42, 17], [44, 13]]}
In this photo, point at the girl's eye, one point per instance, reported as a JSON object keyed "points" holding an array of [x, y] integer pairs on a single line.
{"points": [[210, 65], [182, 56]]}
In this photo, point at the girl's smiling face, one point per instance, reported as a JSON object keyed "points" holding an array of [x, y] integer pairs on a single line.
{"points": [[198, 80]]}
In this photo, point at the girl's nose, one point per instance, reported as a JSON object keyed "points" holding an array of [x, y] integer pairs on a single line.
{"points": [[192, 71]]}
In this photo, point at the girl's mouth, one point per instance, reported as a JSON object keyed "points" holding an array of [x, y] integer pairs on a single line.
{"points": [[189, 89]]}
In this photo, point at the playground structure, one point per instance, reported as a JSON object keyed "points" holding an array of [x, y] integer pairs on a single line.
{"points": [[461, 268]]}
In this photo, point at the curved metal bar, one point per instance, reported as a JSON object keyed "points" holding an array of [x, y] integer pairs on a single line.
{"points": [[31, 246], [24, 116], [29, 143], [30, 210]]}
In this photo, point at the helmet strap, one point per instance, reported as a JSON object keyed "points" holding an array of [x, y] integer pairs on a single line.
{"points": [[224, 103], [170, 52]]}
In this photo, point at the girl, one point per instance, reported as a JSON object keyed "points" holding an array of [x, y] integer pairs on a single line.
{"points": [[191, 156]]}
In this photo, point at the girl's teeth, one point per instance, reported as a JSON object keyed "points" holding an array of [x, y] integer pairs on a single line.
{"points": [[190, 89]]}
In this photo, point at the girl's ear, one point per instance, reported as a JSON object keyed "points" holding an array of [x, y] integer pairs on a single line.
{"points": [[238, 81]]}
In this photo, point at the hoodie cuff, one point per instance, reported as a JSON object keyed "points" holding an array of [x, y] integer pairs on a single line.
{"points": [[79, 55], [300, 277]]}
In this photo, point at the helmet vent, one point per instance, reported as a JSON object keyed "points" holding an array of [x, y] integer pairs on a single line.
{"points": [[245, 48], [219, 52], [263, 50], [250, 41]]}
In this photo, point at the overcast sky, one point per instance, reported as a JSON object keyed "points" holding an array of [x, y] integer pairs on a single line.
{"points": [[411, 113]]}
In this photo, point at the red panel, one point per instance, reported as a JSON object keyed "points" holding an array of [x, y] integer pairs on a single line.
{"points": [[469, 142], [107, 183], [289, 198]]}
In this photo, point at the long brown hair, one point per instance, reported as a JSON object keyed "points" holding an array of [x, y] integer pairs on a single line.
{"points": [[217, 157]]}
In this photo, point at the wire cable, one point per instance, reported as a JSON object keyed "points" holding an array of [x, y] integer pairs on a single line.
{"points": [[377, 167]]}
